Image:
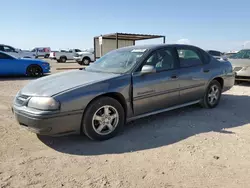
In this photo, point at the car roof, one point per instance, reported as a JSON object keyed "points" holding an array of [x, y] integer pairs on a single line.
{"points": [[156, 46], [5, 45]]}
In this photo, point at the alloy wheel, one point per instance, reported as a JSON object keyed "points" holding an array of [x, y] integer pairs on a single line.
{"points": [[105, 120], [213, 94]]}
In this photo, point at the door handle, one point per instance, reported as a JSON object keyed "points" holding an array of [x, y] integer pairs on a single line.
{"points": [[174, 77], [206, 70]]}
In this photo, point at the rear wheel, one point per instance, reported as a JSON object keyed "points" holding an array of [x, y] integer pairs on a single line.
{"points": [[63, 59], [34, 71], [212, 96], [103, 119]]}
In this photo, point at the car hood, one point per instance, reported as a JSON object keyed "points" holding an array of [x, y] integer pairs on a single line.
{"points": [[54, 84], [240, 62]]}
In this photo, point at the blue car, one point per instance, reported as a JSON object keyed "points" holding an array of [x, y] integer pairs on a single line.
{"points": [[10, 65]]}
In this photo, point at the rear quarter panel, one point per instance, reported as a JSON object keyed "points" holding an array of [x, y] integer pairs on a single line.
{"points": [[224, 70]]}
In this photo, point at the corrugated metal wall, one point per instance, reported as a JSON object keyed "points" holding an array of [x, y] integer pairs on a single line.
{"points": [[109, 45]]}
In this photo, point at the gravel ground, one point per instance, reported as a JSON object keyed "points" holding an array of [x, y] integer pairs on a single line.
{"points": [[190, 147]]}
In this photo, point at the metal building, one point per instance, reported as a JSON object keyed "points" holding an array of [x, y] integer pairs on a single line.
{"points": [[106, 43]]}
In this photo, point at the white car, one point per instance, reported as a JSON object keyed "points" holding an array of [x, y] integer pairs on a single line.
{"points": [[42, 51], [217, 54], [63, 55], [84, 58], [17, 52]]}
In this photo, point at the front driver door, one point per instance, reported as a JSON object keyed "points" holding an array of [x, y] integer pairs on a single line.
{"points": [[159, 90]]}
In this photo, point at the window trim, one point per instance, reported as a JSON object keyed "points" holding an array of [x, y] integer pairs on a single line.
{"points": [[173, 51], [193, 49]]}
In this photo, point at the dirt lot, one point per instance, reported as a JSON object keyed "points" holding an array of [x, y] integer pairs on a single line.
{"points": [[190, 147]]}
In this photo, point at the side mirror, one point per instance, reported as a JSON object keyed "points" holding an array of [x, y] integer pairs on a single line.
{"points": [[147, 69]]}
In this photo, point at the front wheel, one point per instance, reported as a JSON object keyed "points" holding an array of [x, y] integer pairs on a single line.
{"points": [[63, 59], [34, 71], [103, 119], [212, 96], [85, 61]]}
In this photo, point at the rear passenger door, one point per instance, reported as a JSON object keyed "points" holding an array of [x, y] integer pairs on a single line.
{"points": [[192, 74]]}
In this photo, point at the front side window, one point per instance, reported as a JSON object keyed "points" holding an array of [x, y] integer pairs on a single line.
{"points": [[162, 60], [117, 61], [188, 58], [8, 49]]}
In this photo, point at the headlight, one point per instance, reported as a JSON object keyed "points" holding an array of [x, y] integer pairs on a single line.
{"points": [[43, 103]]}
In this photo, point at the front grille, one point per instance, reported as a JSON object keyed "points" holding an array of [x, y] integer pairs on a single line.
{"points": [[237, 68], [21, 100]]}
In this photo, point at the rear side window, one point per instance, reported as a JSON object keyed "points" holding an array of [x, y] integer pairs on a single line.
{"points": [[206, 56], [189, 58], [4, 56], [8, 49]]}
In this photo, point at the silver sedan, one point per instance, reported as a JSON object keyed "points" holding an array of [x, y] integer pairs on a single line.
{"points": [[241, 64], [121, 86]]}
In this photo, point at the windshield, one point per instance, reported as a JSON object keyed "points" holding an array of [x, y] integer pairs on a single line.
{"points": [[117, 61], [243, 54]]}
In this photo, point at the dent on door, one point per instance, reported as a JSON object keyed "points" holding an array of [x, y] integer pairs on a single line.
{"points": [[154, 92]]}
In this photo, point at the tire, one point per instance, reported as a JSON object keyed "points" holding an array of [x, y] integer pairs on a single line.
{"points": [[90, 124], [85, 61], [34, 71], [63, 59], [46, 56], [237, 82], [207, 101]]}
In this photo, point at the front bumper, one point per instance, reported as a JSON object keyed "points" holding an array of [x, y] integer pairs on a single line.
{"points": [[48, 124], [46, 69], [242, 76]]}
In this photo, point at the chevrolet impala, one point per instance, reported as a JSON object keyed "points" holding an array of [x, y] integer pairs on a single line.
{"points": [[123, 85]]}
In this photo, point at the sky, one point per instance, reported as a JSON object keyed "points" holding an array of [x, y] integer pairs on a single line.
{"points": [[60, 24]]}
